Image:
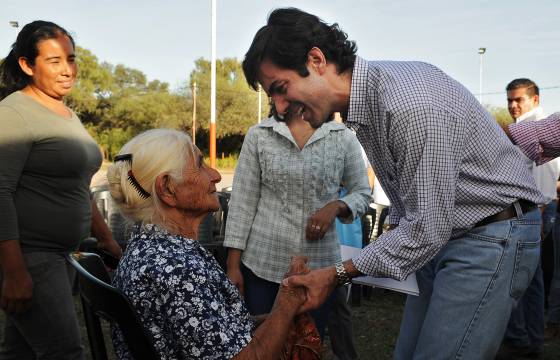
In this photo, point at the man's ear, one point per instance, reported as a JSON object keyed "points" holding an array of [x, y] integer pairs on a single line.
{"points": [[536, 99], [25, 66], [165, 190], [317, 60]]}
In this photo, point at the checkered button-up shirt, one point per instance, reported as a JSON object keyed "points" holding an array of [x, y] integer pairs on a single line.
{"points": [[277, 187], [441, 158], [540, 140]]}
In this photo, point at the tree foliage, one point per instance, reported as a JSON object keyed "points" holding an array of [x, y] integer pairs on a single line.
{"points": [[116, 102], [501, 114], [236, 102]]}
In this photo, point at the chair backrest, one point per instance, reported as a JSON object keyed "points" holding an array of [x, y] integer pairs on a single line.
{"points": [[120, 228], [101, 300]]}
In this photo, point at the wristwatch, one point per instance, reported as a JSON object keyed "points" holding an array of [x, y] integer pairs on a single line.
{"points": [[341, 274]]}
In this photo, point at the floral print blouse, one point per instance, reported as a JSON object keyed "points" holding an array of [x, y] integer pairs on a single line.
{"points": [[182, 296]]}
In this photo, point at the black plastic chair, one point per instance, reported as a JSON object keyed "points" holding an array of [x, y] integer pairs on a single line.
{"points": [[120, 228], [101, 300]]}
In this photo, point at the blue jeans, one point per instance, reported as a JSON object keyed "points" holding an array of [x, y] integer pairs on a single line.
{"points": [[526, 324], [468, 289], [260, 295], [554, 295], [49, 329]]}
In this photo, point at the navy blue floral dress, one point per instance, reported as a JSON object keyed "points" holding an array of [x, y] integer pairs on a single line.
{"points": [[182, 297]]}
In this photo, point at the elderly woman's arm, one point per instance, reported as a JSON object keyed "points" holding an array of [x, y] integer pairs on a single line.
{"points": [[270, 337]]}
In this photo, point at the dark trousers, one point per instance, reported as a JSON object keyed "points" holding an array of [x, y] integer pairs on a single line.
{"points": [[341, 332], [260, 295], [49, 328]]}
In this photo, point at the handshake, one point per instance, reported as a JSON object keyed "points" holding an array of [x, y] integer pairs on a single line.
{"points": [[293, 296]]}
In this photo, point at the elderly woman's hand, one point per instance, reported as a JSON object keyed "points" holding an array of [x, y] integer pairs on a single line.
{"points": [[291, 298], [298, 265]]}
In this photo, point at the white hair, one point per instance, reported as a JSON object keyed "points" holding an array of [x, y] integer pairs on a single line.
{"points": [[154, 152]]}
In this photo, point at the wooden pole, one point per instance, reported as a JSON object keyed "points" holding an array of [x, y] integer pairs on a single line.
{"points": [[213, 91], [194, 113]]}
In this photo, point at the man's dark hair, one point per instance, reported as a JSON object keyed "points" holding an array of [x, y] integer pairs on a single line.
{"points": [[532, 88], [287, 38]]}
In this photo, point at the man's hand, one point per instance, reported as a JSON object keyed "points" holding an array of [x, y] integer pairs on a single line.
{"points": [[17, 291], [318, 284], [321, 221]]}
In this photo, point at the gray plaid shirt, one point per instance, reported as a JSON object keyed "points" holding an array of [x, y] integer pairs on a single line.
{"points": [[277, 187], [442, 159]]}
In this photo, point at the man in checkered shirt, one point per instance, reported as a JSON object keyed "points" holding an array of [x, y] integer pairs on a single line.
{"points": [[463, 202]]}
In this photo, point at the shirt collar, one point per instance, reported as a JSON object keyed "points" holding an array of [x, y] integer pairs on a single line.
{"points": [[535, 113], [357, 110], [282, 129]]}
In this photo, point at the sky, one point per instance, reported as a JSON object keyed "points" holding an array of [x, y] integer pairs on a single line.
{"points": [[163, 38]]}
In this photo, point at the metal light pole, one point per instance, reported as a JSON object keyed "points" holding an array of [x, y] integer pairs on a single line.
{"points": [[481, 51], [260, 104], [213, 91]]}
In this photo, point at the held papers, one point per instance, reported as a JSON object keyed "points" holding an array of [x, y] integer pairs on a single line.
{"points": [[409, 286]]}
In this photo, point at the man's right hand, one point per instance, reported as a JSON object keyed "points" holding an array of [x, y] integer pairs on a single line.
{"points": [[17, 291], [235, 276]]}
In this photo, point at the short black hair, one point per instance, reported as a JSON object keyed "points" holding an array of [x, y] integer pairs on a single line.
{"points": [[532, 88], [287, 38]]}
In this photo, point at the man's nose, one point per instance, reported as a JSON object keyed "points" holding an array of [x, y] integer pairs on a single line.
{"points": [[281, 104]]}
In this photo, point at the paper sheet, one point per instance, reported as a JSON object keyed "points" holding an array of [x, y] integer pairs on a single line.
{"points": [[409, 286]]}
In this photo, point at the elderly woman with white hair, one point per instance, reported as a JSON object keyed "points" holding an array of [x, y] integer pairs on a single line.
{"points": [[179, 292]]}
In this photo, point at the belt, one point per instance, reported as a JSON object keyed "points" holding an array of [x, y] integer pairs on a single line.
{"points": [[507, 213]]}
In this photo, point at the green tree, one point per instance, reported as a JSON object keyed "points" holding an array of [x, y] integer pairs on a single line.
{"points": [[236, 102], [501, 114]]}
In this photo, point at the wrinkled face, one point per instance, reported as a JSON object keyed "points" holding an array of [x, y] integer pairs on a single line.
{"points": [[55, 69], [197, 192], [519, 102], [294, 95]]}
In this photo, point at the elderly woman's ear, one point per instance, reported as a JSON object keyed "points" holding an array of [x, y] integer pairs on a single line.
{"points": [[165, 190]]}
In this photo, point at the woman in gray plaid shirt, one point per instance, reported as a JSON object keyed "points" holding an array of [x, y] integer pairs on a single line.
{"points": [[285, 200]]}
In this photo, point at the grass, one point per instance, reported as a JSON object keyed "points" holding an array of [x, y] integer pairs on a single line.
{"points": [[224, 162], [376, 326]]}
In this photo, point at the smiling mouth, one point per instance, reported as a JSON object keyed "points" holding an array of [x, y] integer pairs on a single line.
{"points": [[295, 109]]}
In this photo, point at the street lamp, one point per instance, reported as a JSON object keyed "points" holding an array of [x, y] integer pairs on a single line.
{"points": [[14, 24], [481, 51]]}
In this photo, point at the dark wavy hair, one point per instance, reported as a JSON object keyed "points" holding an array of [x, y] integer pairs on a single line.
{"points": [[12, 77], [287, 38]]}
